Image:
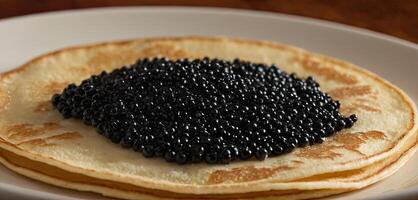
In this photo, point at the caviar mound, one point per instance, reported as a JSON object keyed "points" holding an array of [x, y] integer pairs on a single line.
{"points": [[204, 110]]}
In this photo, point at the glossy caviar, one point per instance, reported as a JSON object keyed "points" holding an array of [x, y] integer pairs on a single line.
{"points": [[207, 110]]}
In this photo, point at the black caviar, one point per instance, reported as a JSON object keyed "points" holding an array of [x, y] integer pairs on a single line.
{"points": [[189, 111]]}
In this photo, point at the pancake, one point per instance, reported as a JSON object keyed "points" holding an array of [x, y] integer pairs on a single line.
{"points": [[29, 127]]}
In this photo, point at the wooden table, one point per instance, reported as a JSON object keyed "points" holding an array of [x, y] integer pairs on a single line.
{"points": [[394, 17]]}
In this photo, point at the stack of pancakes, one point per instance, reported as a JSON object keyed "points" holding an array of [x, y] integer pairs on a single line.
{"points": [[37, 142]]}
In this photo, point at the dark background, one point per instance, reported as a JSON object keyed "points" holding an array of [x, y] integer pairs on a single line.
{"points": [[394, 17]]}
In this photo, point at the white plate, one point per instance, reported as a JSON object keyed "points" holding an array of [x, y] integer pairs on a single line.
{"points": [[23, 38]]}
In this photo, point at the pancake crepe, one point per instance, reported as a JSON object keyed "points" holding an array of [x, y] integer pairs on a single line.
{"points": [[37, 142]]}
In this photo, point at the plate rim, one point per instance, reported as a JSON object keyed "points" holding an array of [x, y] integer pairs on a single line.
{"points": [[219, 10]]}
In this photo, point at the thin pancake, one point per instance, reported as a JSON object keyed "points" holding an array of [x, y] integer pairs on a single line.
{"points": [[387, 117]]}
